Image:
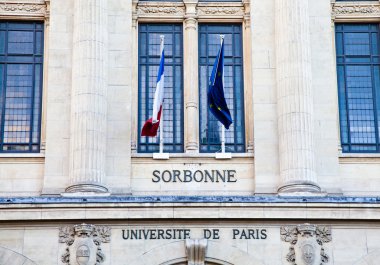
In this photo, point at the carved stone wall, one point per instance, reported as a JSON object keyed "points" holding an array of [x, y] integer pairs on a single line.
{"points": [[177, 10], [306, 244], [24, 8], [84, 244], [355, 10]]}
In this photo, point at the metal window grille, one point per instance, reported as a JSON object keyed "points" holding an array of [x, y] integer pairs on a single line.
{"points": [[21, 58], [149, 58], [210, 128], [358, 68]]}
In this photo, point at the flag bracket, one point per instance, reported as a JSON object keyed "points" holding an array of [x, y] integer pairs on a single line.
{"points": [[161, 156], [223, 155]]}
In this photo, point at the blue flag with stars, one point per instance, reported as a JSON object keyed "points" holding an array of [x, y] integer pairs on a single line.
{"points": [[215, 95]]}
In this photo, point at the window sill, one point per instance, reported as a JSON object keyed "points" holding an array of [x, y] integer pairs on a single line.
{"points": [[22, 155], [193, 155], [359, 155]]}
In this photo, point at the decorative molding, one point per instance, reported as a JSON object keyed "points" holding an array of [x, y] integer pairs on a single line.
{"points": [[84, 243], [160, 10], [25, 8], [202, 10], [305, 241], [219, 10], [196, 251], [355, 10]]}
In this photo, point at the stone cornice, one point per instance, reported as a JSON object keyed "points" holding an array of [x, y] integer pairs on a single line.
{"points": [[207, 207], [355, 10], [24, 8]]}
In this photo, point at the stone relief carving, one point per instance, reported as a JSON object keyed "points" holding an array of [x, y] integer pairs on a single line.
{"points": [[21, 7], [34, 9], [160, 9], [217, 10], [84, 244], [356, 10], [306, 244], [196, 251]]}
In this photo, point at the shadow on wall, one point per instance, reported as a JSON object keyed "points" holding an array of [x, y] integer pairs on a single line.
{"points": [[8, 256], [372, 258], [174, 253]]}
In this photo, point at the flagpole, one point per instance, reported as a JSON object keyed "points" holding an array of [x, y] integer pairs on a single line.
{"points": [[223, 129], [162, 37]]}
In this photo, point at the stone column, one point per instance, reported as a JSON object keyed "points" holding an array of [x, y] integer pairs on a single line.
{"points": [[294, 97], [191, 90], [248, 92], [89, 97]]}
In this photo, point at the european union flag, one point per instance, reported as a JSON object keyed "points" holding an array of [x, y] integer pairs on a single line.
{"points": [[215, 95]]}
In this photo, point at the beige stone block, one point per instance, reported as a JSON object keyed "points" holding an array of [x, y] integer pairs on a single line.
{"points": [[12, 238], [61, 7], [62, 214], [45, 239], [344, 251], [59, 76], [16, 214], [118, 42], [119, 59], [60, 58], [59, 40]]}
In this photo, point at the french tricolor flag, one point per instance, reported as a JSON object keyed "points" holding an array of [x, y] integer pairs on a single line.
{"points": [[151, 126]]}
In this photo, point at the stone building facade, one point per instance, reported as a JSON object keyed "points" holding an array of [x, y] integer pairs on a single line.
{"points": [[299, 183]]}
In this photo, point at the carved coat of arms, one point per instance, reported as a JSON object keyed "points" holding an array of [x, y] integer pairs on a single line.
{"points": [[83, 244]]}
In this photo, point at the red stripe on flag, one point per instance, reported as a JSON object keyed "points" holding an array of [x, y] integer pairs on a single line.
{"points": [[150, 128]]}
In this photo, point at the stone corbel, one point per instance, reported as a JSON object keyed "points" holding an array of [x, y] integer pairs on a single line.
{"points": [[196, 251], [306, 244], [25, 9], [346, 11], [247, 13], [83, 243]]}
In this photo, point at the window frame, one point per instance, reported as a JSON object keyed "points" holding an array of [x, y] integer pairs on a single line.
{"points": [[139, 100], [235, 99], [375, 92], [32, 109]]}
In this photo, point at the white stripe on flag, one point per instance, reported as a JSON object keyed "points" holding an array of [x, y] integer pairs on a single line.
{"points": [[159, 93]]}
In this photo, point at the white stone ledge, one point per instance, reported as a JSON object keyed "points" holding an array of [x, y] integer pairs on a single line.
{"points": [[186, 211], [194, 155]]}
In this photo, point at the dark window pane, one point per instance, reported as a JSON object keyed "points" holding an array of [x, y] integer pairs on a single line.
{"points": [[210, 127], [358, 84], [21, 86], [149, 59]]}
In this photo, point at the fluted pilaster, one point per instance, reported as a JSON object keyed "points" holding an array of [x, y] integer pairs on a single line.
{"points": [[89, 97], [191, 78], [294, 97]]}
